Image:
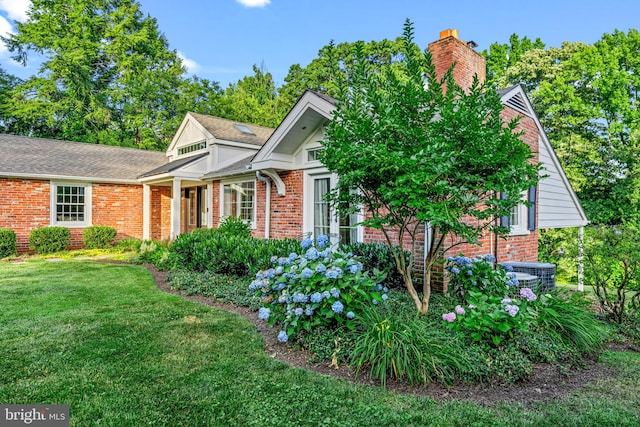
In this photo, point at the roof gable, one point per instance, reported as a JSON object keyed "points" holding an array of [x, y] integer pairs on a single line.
{"points": [[558, 205], [310, 112]]}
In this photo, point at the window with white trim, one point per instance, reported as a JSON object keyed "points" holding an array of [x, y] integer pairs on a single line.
{"points": [[518, 219], [239, 201], [70, 204]]}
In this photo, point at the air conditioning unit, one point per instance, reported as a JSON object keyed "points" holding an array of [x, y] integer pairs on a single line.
{"points": [[545, 273]]}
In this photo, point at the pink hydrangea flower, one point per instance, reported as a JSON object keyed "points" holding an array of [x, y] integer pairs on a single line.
{"points": [[459, 310], [449, 317], [472, 306]]}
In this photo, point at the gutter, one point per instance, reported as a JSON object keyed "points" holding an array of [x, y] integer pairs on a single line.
{"points": [[267, 209]]}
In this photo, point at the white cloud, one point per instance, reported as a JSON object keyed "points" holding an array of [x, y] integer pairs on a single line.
{"points": [[15, 9], [191, 65], [5, 29], [254, 3]]}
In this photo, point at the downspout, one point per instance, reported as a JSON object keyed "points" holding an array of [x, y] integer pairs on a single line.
{"points": [[267, 209]]}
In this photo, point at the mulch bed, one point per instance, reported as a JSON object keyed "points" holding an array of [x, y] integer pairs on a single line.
{"points": [[546, 383]]}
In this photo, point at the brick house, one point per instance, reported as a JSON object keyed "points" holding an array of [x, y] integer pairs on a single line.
{"points": [[270, 178]]}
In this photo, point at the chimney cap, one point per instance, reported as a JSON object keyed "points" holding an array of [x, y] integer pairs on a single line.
{"points": [[448, 33], [472, 44]]}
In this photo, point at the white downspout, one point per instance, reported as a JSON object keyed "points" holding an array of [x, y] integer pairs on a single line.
{"points": [[267, 209], [581, 259]]}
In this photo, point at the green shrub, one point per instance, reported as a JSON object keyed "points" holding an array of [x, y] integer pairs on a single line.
{"points": [[479, 275], [573, 324], [318, 288], [235, 227], [408, 349], [49, 239], [379, 256], [98, 236], [219, 252], [130, 244], [156, 253], [221, 287], [7, 242]]}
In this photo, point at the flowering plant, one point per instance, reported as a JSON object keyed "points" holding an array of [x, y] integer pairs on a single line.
{"points": [[318, 287], [492, 318], [478, 274]]}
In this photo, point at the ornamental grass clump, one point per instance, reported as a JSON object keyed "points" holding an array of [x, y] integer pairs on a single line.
{"points": [[315, 288]]}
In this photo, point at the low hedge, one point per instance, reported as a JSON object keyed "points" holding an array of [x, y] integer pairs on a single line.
{"points": [[7, 242], [49, 239], [98, 237]]}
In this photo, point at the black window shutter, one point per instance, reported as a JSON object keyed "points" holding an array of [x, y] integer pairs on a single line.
{"points": [[531, 211], [504, 220]]}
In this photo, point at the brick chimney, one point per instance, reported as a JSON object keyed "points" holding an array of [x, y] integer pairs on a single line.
{"points": [[468, 62]]}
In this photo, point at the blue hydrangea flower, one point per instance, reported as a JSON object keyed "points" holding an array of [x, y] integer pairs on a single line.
{"points": [[322, 241], [379, 287], [385, 289], [528, 294], [507, 267], [350, 315], [270, 273], [274, 259], [306, 273], [469, 272], [337, 307], [354, 268], [282, 299], [260, 274], [385, 297], [279, 270], [326, 294], [308, 311], [375, 302], [335, 292], [306, 243], [512, 309], [264, 313], [300, 297], [321, 268], [298, 311], [316, 297], [489, 257], [455, 270], [293, 256], [332, 274], [283, 337], [255, 285], [311, 254]]}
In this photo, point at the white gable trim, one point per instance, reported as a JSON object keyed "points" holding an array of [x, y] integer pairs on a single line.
{"points": [[188, 119], [266, 158], [547, 218]]}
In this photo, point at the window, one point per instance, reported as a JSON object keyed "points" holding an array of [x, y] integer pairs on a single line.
{"points": [[70, 204], [518, 219], [192, 147], [312, 155], [239, 201]]}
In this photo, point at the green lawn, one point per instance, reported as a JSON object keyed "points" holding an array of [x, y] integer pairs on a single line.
{"points": [[102, 338]]}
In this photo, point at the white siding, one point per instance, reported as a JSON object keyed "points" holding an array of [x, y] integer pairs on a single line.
{"points": [[558, 206]]}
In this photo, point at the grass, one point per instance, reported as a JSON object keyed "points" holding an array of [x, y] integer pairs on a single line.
{"points": [[103, 339]]}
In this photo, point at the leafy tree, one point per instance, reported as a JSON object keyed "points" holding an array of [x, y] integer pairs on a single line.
{"points": [[7, 83], [502, 56], [412, 150], [108, 74], [586, 98], [318, 75], [253, 99]]}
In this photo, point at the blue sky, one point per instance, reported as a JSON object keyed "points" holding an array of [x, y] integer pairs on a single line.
{"points": [[221, 39]]}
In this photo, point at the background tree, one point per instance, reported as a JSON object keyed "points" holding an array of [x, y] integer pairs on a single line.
{"points": [[8, 82], [501, 56], [411, 155], [108, 76]]}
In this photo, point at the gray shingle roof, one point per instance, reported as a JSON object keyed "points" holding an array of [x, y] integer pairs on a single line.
{"points": [[171, 166], [38, 157], [235, 168], [225, 129]]}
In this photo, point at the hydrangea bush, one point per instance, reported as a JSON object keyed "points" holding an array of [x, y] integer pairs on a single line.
{"points": [[316, 287], [478, 274], [492, 318]]}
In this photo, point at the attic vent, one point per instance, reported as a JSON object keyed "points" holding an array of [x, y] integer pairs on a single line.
{"points": [[518, 103], [244, 129], [192, 147]]}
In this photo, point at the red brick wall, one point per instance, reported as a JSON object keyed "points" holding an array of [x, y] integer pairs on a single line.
{"points": [[119, 206], [160, 213], [24, 206], [286, 211]]}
